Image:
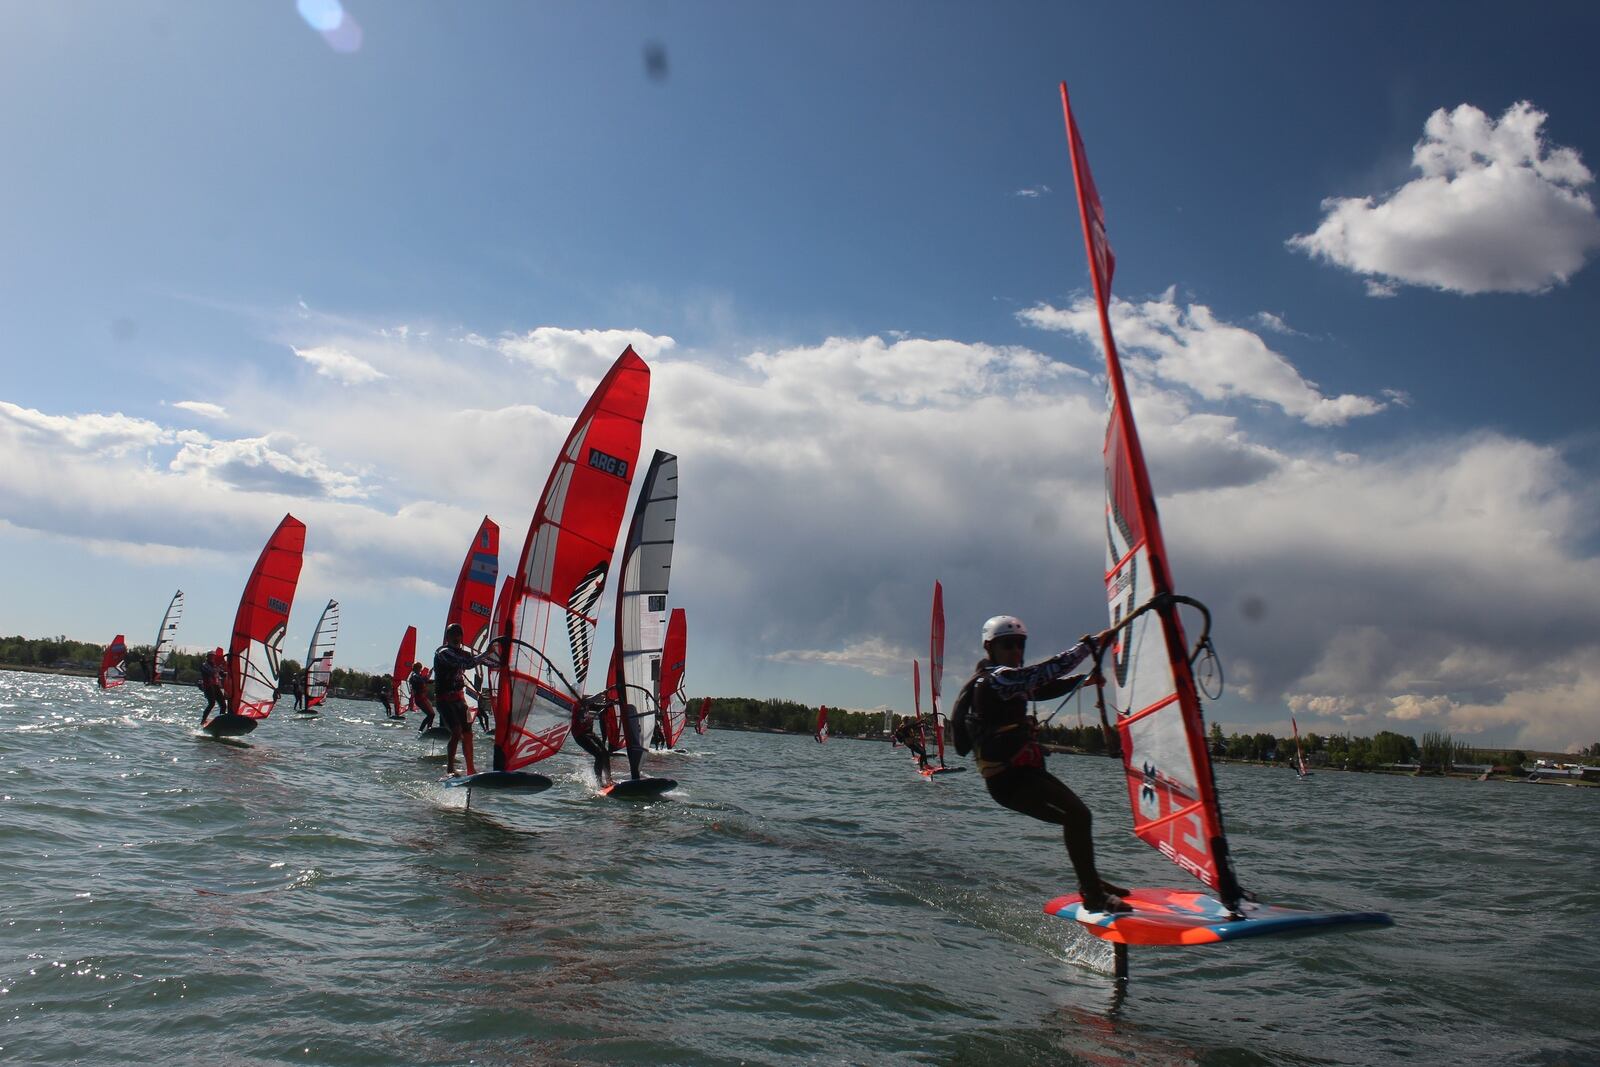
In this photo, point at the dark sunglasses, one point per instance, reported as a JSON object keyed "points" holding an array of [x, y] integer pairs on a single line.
{"points": [[1010, 641]]}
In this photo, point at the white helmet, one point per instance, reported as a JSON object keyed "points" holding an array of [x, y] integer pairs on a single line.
{"points": [[1002, 626]]}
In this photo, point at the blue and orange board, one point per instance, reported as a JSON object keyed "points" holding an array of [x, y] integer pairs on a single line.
{"points": [[1187, 917]]}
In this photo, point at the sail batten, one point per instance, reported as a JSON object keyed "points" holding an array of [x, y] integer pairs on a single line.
{"points": [[1170, 783], [255, 648]]}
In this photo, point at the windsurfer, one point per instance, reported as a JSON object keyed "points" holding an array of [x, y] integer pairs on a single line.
{"points": [[585, 718], [418, 684], [992, 719], [658, 740], [211, 670], [451, 663], [909, 734]]}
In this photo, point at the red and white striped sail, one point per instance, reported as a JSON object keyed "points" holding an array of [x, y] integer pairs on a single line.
{"points": [[702, 716], [936, 665], [166, 638], [638, 658], [1169, 779], [400, 682], [319, 656], [563, 567], [1299, 753], [674, 657], [255, 649], [113, 670], [472, 603], [821, 732]]}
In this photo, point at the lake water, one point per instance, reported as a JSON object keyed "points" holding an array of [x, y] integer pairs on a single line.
{"points": [[319, 898]]}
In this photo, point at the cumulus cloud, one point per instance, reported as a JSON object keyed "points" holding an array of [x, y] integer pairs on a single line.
{"points": [[1190, 346], [112, 435], [579, 356], [273, 464], [1496, 209], [203, 408], [340, 365], [872, 655]]}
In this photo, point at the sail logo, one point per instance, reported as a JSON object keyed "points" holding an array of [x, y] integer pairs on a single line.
{"points": [[277, 605], [478, 609], [600, 461]]}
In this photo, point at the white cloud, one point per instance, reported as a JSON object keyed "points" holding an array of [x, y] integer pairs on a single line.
{"points": [[1190, 346], [579, 356], [275, 463], [1275, 323], [873, 655], [341, 366], [113, 435], [1033, 192], [1496, 209], [201, 407]]}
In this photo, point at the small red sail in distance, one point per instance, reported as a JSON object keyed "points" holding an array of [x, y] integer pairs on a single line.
{"points": [[674, 658], [254, 651], [399, 682], [563, 565], [472, 603], [112, 670], [821, 731], [1170, 784], [700, 719]]}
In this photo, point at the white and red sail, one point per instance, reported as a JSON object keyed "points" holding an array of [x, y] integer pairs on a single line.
{"points": [[563, 567], [472, 603], [674, 658], [319, 656], [1299, 753], [1168, 769], [400, 682], [821, 732], [255, 648], [636, 675], [166, 638], [113, 669]]}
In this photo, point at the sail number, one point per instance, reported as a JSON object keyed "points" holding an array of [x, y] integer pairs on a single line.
{"points": [[610, 464], [277, 605]]}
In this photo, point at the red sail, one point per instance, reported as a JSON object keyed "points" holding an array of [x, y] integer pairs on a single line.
{"points": [[112, 671], [563, 566], [472, 604], [262, 619], [936, 664], [399, 683], [821, 732], [1170, 785], [674, 654], [700, 719]]}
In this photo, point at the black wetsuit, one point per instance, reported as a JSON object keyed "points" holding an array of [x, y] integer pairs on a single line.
{"points": [[450, 667], [1011, 761], [908, 734], [584, 716]]}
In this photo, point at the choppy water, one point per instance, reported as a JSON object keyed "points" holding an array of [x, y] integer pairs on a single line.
{"points": [[318, 897]]}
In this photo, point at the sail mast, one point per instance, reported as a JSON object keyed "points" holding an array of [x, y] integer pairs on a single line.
{"points": [[1171, 785]]}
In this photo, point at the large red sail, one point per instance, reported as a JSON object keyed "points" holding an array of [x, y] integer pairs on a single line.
{"points": [[399, 682], [936, 664], [262, 619], [1168, 769], [112, 671], [563, 566], [472, 603], [674, 657]]}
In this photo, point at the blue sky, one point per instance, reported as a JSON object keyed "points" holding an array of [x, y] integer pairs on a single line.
{"points": [[381, 277]]}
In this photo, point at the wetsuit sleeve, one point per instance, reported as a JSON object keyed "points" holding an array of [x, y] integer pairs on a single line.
{"points": [[459, 660], [1030, 682], [1062, 687]]}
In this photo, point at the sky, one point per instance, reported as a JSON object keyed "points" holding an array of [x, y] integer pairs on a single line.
{"points": [[364, 263]]}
